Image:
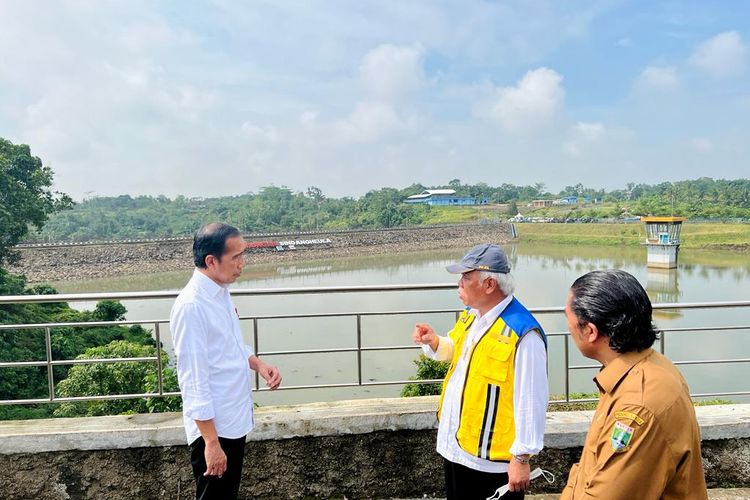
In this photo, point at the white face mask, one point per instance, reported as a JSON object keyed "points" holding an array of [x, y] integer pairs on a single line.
{"points": [[548, 476]]}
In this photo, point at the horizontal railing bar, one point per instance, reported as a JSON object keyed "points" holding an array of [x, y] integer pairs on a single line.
{"points": [[584, 367], [712, 361], [90, 361], [239, 292], [354, 313], [353, 384], [337, 350], [688, 362], [706, 328], [700, 305], [589, 400], [81, 324], [696, 395], [84, 324], [86, 398], [714, 394], [307, 351]]}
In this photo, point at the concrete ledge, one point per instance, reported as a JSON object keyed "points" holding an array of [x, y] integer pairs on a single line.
{"points": [[563, 429]]}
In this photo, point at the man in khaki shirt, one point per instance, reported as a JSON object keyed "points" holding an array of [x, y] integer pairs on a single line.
{"points": [[644, 441]]}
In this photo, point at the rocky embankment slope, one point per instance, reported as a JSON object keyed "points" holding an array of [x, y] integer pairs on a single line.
{"points": [[118, 259]]}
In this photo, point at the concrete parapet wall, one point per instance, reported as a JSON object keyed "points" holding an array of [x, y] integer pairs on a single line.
{"points": [[378, 448]]}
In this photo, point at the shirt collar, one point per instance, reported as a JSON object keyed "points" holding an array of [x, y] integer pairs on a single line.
{"points": [[496, 311], [611, 375], [208, 285]]}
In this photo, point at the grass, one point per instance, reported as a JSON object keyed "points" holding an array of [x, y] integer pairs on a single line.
{"points": [[706, 236], [452, 215], [699, 235], [593, 395]]}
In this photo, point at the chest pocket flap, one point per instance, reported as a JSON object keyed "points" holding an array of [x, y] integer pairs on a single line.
{"points": [[497, 362]]}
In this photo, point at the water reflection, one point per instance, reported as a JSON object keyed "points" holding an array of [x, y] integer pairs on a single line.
{"points": [[662, 286]]}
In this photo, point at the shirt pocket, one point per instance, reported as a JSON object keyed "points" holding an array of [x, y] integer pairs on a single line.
{"points": [[572, 481], [497, 361]]}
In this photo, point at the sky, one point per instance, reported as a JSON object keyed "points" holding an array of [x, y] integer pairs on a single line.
{"points": [[220, 97]]}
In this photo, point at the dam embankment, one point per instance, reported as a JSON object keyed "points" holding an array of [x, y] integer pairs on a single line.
{"points": [[100, 260]]}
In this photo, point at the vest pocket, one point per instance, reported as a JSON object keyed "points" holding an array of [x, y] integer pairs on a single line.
{"points": [[497, 365]]}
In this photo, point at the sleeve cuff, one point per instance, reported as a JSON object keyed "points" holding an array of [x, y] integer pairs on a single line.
{"points": [[522, 449], [203, 412]]}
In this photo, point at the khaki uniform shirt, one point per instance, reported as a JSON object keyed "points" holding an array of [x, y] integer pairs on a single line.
{"points": [[644, 441]]}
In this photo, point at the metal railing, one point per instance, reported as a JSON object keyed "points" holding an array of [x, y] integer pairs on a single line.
{"points": [[358, 349]]}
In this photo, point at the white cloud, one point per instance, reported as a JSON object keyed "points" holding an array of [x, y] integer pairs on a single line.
{"points": [[389, 72], [582, 136], [532, 103], [625, 42], [702, 144], [308, 119], [371, 121], [660, 78], [260, 134], [722, 56], [590, 131]]}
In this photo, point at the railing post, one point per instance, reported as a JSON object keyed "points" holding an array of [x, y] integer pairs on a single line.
{"points": [[159, 378], [359, 349], [663, 341], [50, 373], [257, 350], [567, 371]]}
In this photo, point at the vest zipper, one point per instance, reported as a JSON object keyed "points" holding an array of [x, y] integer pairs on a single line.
{"points": [[468, 368]]}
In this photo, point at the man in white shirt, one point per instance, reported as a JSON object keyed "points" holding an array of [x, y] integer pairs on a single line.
{"points": [[213, 363], [494, 398]]}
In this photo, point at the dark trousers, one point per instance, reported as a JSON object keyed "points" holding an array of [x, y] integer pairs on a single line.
{"points": [[463, 483], [213, 487]]}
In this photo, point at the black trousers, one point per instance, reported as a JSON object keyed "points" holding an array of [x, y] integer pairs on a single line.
{"points": [[463, 483], [213, 487]]}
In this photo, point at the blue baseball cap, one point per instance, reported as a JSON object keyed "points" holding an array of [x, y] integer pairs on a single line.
{"points": [[484, 257]]}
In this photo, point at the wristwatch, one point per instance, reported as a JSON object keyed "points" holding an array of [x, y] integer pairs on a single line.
{"points": [[524, 459]]}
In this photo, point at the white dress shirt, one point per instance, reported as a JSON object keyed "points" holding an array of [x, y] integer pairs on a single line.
{"points": [[530, 393], [212, 359]]}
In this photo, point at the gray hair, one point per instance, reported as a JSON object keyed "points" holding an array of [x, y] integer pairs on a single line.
{"points": [[505, 281]]}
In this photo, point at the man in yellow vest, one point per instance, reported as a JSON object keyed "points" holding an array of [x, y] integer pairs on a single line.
{"points": [[492, 407]]}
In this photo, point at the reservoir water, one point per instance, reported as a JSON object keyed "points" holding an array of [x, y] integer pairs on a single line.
{"points": [[543, 274]]}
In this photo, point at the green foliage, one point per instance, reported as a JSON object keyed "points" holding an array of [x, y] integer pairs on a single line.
{"points": [[512, 208], [114, 378], [279, 208], [713, 402], [66, 343], [25, 195], [427, 369], [109, 310]]}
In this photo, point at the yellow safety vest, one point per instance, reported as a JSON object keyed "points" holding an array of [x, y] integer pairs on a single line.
{"points": [[487, 427]]}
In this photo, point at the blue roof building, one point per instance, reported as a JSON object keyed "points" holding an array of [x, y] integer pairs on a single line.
{"points": [[443, 197]]}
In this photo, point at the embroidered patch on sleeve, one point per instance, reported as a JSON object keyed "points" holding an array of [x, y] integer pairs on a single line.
{"points": [[621, 436], [630, 416]]}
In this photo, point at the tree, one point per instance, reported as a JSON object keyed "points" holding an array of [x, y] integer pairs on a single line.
{"points": [[25, 195], [109, 310], [115, 378], [512, 209]]}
